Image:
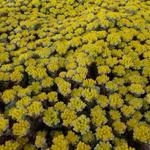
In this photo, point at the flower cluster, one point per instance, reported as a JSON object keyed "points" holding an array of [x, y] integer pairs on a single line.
{"points": [[74, 74], [21, 128]]}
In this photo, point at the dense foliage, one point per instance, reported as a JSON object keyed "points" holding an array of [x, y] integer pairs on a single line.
{"points": [[74, 75]]}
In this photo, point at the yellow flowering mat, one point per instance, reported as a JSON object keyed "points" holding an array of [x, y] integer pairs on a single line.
{"points": [[74, 74]]}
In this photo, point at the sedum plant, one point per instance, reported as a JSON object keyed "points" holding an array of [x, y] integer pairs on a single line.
{"points": [[50, 117], [21, 128], [3, 124], [74, 75], [104, 133], [81, 124]]}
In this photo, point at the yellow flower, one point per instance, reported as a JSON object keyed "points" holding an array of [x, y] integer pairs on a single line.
{"points": [[147, 54], [119, 126], [102, 100], [90, 17], [89, 83], [61, 47], [43, 52], [90, 94], [63, 86], [137, 103], [137, 115], [103, 69], [135, 77], [92, 25], [146, 71], [35, 87], [79, 31], [31, 62], [8, 96], [102, 79], [43, 62], [113, 16], [127, 34], [11, 145], [98, 116], [19, 68], [25, 56], [68, 116], [23, 102], [80, 74], [142, 133], [76, 41], [111, 61], [53, 65], [72, 137], [67, 74], [147, 116], [104, 23], [89, 37], [115, 100], [6, 67], [93, 50], [136, 89], [4, 57], [40, 140], [77, 92], [79, 77], [3, 124], [47, 82], [60, 106], [104, 133], [37, 73], [101, 34], [21, 128], [16, 76], [127, 110], [83, 146], [128, 97], [76, 104], [60, 143], [88, 137], [123, 90], [82, 70], [4, 76], [81, 124], [52, 96], [118, 52], [35, 109], [115, 114], [17, 113], [132, 123], [127, 61], [71, 65], [40, 97], [114, 39], [119, 81], [111, 86], [123, 146], [103, 146], [50, 117]]}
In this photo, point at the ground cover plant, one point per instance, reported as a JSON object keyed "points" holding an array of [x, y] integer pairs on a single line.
{"points": [[74, 74]]}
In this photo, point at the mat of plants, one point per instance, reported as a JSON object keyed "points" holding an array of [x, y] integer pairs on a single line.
{"points": [[74, 74]]}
